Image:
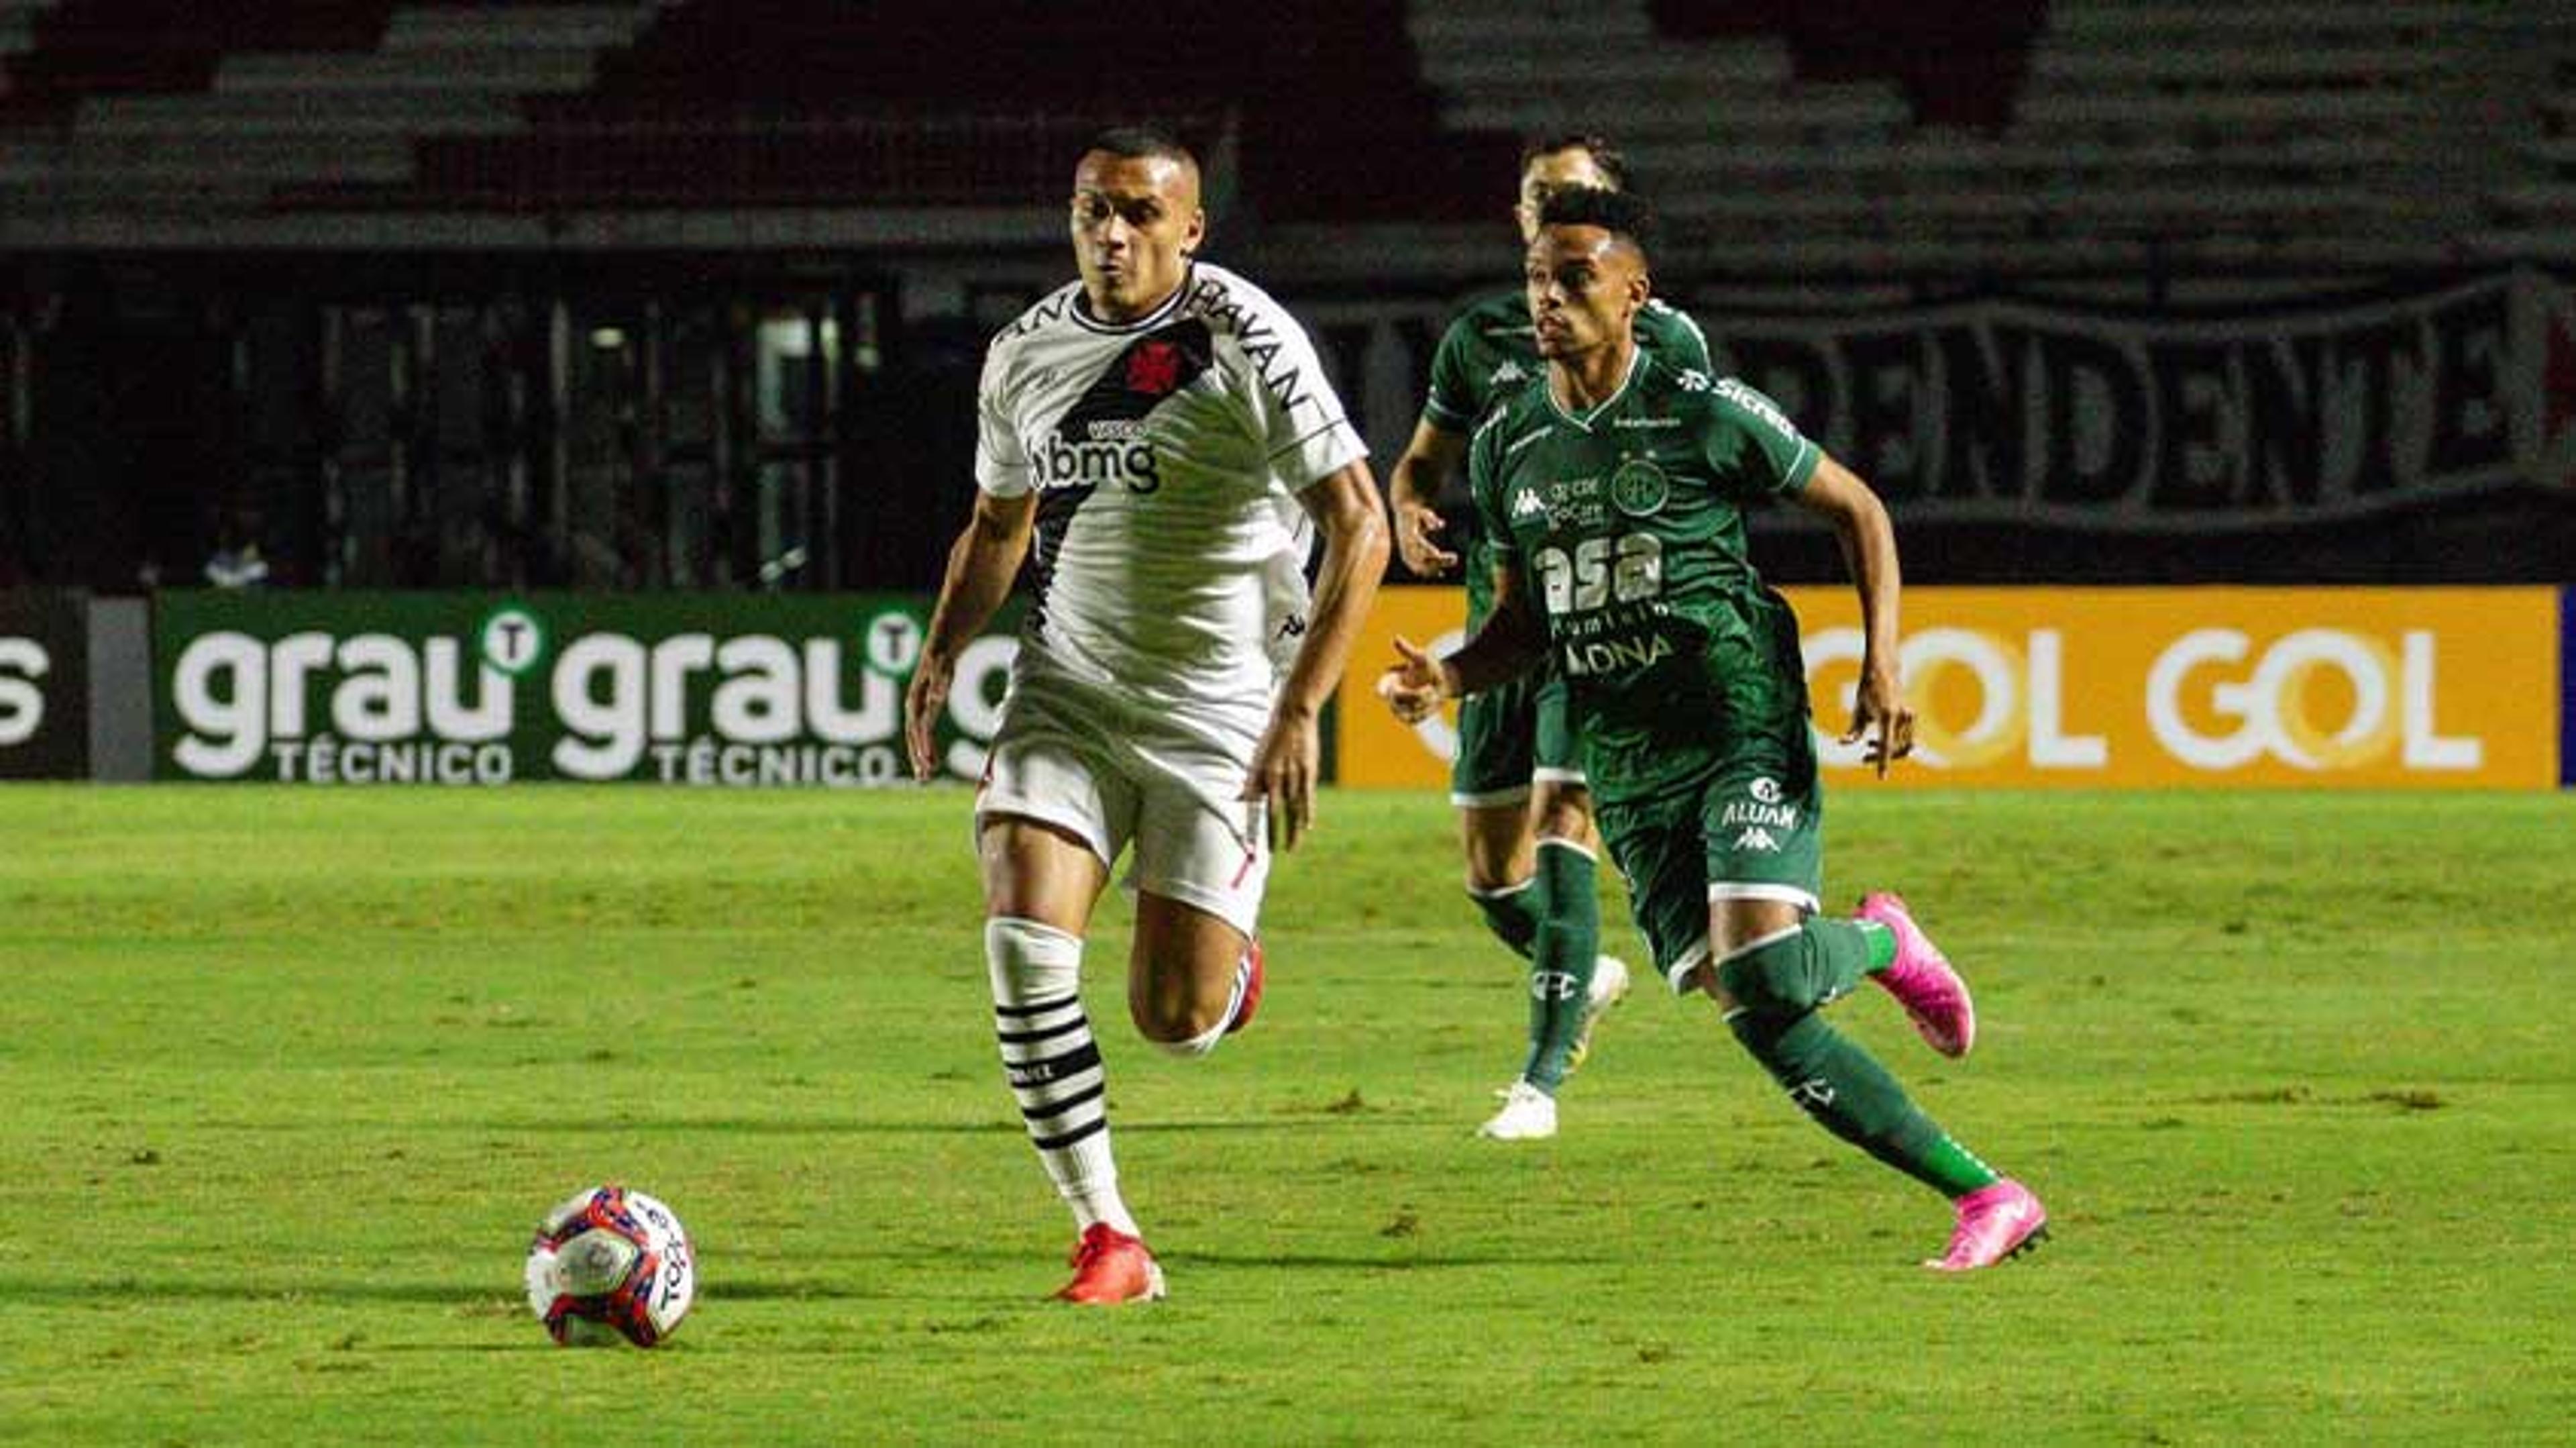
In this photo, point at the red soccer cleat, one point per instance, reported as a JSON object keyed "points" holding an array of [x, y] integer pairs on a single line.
{"points": [[1922, 980], [1110, 1267], [1251, 989]]}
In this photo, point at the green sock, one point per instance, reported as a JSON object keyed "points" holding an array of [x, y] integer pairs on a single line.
{"points": [[1849, 1094], [1821, 961], [1511, 912], [1562, 961], [1881, 940]]}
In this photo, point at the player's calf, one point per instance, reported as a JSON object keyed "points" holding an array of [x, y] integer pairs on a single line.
{"points": [[1181, 1031]]}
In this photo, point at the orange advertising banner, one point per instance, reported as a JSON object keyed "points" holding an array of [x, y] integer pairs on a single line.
{"points": [[2130, 687]]}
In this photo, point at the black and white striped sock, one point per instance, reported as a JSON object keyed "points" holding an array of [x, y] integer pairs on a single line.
{"points": [[1053, 1063]]}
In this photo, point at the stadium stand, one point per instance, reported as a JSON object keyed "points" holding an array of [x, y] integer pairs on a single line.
{"points": [[2138, 134], [1937, 136]]}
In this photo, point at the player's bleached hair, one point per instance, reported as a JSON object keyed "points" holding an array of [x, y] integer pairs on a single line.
{"points": [[1623, 214], [1139, 143], [1613, 165]]}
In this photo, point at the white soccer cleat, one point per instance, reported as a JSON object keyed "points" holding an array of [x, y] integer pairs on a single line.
{"points": [[1528, 1114], [1609, 987]]}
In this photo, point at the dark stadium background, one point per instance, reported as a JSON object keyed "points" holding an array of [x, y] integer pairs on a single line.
{"points": [[691, 294]]}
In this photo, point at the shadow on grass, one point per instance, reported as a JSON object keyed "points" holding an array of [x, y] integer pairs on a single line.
{"points": [[127, 1291], [1304, 1118]]}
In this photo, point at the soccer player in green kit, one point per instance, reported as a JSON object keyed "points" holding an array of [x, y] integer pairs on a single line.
{"points": [[1615, 490], [1523, 811]]}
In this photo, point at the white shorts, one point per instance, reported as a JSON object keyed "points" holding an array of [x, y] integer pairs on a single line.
{"points": [[1169, 795]]}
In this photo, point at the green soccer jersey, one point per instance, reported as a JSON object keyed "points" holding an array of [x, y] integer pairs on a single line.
{"points": [[1627, 526], [1489, 353]]}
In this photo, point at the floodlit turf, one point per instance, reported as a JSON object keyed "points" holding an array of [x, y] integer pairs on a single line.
{"points": [[286, 1078]]}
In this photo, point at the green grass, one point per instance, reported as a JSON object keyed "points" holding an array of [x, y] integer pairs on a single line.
{"points": [[286, 1078]]}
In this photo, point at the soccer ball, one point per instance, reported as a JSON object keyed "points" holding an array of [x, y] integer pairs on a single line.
{"points": [[611, 1264]]}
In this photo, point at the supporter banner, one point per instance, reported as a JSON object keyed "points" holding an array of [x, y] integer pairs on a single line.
{"points": [[468, 689], [44, 686], [2017, 412], [2432, 687]]}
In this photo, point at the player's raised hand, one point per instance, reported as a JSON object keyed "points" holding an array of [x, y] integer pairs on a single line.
{"points": [[923, 700], [1415, 523], [1880, 715], [1283, 777], [1411, 685]]}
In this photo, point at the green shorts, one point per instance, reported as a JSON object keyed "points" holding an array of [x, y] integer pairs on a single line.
{"points": [[1745, 821], [1511, 735]]}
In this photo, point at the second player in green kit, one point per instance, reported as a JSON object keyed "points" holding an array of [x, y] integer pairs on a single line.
{"points": [[1517, 782]]}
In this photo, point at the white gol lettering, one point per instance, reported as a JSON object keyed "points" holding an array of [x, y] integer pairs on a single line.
{"points": [[2270, 709]]}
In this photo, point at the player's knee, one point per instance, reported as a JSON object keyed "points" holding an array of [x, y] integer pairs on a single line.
{"points": [[1030, 962], [1761, 979], [1565, 813], [1177, 1020]]}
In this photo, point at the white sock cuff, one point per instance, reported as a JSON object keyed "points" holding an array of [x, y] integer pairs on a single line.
{"points": [[1560, 842], [1200, 1044], [1500, 892], [1029, 961]]}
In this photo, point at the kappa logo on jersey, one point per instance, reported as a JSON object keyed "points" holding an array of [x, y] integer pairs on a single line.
{"points": [[1507, 374], [1757, 838], [1525, 502]]}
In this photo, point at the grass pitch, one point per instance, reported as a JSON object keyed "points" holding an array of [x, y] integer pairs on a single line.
{"points": [[287, 1077]]}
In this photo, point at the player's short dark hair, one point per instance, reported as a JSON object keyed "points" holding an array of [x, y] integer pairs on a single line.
{"points": [[1614, 166], [1621, 213], [1138, 143]]}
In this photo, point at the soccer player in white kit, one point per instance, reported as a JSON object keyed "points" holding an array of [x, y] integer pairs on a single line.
{"points": [[1154, 441]]}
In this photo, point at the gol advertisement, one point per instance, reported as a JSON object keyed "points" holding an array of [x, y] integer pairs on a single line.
{"points": [[2130, 687]]}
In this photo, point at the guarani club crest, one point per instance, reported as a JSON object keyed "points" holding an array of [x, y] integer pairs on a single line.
{"points": [[1102, 438], [1639, 488]]}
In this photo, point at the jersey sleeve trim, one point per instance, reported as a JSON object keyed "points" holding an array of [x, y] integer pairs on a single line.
{"points": [[1802, 469], [1445, 419]]}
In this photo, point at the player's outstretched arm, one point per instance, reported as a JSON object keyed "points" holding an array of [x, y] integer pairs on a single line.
{"points": [[982, 564], [1411, 488], [1509, 644], [1344, 505], [1879, 712]]}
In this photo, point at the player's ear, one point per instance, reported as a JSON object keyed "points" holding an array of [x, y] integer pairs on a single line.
{"points": [[1197, 232]]}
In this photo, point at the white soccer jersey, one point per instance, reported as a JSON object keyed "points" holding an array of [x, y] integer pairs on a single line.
{"points": [[1166, 454]]}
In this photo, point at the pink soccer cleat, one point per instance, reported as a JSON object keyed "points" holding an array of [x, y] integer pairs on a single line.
{"points": [[1251, 989], [1922, 980], [1109, 1268], [1995, 1223]]}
